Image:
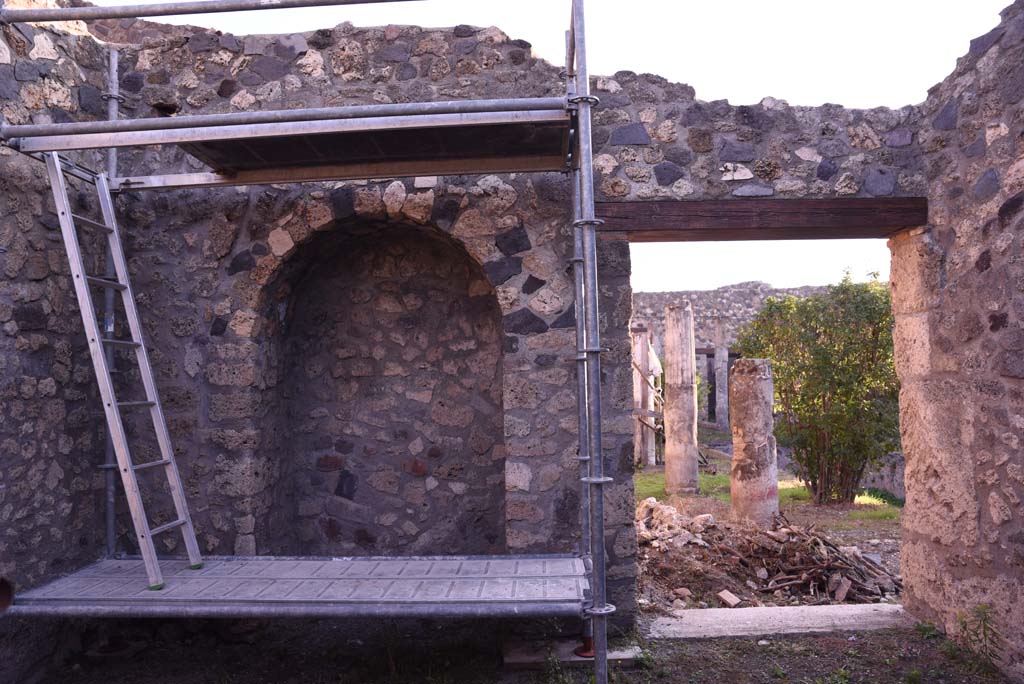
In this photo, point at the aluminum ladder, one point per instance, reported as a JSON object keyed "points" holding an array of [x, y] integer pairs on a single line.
{"points": [[70, 223]]}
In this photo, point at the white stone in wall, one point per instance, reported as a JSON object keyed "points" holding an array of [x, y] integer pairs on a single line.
{"points": [[791, 187], [312, 63], [605, 163], [735, 172], [809, 154], [5, 52], [517, 477], [683, 188], [280, 242], [242, 100], [43, 48], [995, 131], [394, 198]]}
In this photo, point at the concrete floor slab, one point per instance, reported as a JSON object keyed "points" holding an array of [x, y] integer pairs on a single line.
{"points": [[731, 622]]}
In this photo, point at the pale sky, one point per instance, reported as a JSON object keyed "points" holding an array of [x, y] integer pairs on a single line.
{"points": [[864, 53]]}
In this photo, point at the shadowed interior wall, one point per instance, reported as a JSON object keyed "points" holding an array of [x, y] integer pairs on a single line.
{"points": [[390, 426]]}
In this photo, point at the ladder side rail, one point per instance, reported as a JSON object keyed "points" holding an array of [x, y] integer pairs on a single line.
{"points": [[146, 372], [102, 370]]}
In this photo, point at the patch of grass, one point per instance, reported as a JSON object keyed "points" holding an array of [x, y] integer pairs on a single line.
{"points": [[647, 485], [884, 513], [840, 676], [928, 630], [885, 496], [874, 508], [791, 491], [653, 484], [866, 499], [716, 486]]}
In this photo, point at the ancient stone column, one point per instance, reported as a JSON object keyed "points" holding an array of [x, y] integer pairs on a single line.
{"points": [[722, 385], [680, 412], [754, 478]]}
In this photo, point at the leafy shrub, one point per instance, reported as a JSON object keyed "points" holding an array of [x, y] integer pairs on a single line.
{"points": [[835, 383]]}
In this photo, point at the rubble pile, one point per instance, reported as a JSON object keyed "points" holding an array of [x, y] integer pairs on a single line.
{"points": [[686, 558]]}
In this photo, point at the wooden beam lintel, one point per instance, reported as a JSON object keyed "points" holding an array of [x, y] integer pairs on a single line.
{"points": [[761, 219]]}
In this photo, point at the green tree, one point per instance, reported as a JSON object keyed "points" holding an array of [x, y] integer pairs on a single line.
{"points": [[837, 396]]}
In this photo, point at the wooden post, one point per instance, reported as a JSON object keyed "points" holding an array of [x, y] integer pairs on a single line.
{"points": [[754, 476], [641, 390], [722, 386], [654, 404], [681, 456], [702, 373]]}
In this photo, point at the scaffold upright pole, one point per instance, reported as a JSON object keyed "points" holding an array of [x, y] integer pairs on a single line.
{"points": [[113, 96], [587, 223]]}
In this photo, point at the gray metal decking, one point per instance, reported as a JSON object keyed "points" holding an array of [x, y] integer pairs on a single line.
{"points": [[446, 586]]}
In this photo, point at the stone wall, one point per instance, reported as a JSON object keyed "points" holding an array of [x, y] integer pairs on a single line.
{"points": [[718, 314], [50, 440], [390, 432], [959, 340], [218, 272], [231, 291]]}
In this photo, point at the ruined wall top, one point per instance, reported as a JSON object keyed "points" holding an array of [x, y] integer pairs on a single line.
{"points": [[718, 314], [653, 138]]}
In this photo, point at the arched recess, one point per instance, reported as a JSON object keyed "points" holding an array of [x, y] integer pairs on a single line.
{"points": [[384, 419]]}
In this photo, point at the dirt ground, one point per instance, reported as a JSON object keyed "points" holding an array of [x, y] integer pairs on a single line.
{"points": [[892, 657]]}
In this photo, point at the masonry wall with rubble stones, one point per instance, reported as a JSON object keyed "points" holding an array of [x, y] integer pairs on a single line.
{"points": [[390, 432], [960, 347], [51, 500], [211, 266], [218, 272], [717, 314]]}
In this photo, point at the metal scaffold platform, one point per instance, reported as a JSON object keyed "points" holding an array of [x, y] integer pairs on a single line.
{"points": [[300, 145], [444, 587]]}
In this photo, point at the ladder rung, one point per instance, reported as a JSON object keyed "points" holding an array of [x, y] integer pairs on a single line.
{"points": [[121, 343], [152, 464], [92, 223], [132, 404], [103, 282], [163, 528]]}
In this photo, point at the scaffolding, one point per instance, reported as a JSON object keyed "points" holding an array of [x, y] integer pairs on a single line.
{"points": [[328, 144]]}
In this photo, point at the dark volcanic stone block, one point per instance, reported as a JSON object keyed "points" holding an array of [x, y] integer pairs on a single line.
{"points": [[513, 241], [668, 173], [500, 271], [524, 322], [630, 134], [947, 118], [987, 185], [732, 151], [880, 182]]}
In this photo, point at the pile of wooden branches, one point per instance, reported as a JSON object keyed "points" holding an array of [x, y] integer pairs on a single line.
{"points": [[795, 562]]}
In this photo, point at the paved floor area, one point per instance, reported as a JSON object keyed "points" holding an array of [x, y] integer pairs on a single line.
{"points": [[443, 586], [731, 622]]}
